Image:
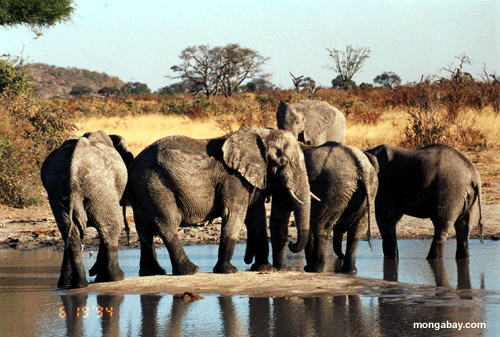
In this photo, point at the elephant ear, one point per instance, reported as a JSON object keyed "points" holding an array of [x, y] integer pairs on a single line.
{"points": [[320, 116], [122, 147], [281, 114], [244, 151]]}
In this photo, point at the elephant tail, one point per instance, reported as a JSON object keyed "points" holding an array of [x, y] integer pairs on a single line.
{"points": [[123, 202], [76, 212], [478, 192]]}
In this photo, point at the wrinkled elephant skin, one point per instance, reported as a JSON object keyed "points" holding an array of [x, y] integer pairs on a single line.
{"points": [[183, 180], [85, 179]]}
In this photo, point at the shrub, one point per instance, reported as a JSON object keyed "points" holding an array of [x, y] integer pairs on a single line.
{"points": [[29, 130], [12, 76]]}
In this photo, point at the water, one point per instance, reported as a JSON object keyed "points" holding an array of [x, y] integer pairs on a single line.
{"points": [[29, 305]]}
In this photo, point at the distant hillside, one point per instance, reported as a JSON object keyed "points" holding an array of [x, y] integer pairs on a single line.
{"points": [[52, 81]]}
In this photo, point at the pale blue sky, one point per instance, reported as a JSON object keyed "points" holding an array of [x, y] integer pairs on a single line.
{"points": [[141, 40]]}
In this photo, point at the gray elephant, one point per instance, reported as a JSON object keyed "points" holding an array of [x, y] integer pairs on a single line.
{"points": [[183, 180], [436, 182], [85, 179], [345, 181], [312, 122]]}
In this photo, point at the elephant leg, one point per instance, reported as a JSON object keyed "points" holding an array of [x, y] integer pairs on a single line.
{"points": [[65, 277], [78, 275], [257, 234], [279, 219], [462, 231], [232, 221], [109, 270], [72, 270], [441, 228], [107, 267], [386, 221], [181, 264], [353, 237], [317, 259], [148, 265]]}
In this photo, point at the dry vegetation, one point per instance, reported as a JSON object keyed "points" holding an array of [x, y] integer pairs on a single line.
{"points": [[463, 115]]}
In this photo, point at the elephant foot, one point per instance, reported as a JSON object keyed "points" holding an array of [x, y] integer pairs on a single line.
{"points": [[186, 269], [226, 268], [109, 277], [279, 266], [81, 283], [314, 268], [347, 270], [262, 267], [144, 271], [64, 281]]}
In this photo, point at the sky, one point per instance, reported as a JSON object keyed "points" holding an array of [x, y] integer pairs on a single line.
{"points": [[139, 41]]}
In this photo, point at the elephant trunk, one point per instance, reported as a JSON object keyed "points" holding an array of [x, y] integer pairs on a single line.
{"points": [[301, 205]]}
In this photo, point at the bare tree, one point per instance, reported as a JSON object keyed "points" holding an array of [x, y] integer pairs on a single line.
{"points": [[457, 73], [296, 81], [202, 67], [239, 64], [346, 64], [219, 69]]}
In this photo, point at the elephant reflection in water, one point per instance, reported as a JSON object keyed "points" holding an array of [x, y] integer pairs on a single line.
{"points": [[439, 273]]}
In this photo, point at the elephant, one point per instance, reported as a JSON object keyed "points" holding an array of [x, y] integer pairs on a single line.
{"points": [[85, 179], [437, 182], [179, 180], [312, 122], [344, 179]]}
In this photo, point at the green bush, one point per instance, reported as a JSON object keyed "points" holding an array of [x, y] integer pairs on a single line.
{"points": [[12, 76]]}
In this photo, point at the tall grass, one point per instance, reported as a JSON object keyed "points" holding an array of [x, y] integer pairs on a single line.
{"points": [[141, 130]]}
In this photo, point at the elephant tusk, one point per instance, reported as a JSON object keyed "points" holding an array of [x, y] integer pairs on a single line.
{"points": [[295, 197], [313, 196]]}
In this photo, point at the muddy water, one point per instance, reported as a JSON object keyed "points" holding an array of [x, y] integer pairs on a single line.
{"points": [[469, 292]]}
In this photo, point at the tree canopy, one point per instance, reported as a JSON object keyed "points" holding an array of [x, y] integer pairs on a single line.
{"points": [[37, 14], [387, 80], [347, 63], [219, 70]]}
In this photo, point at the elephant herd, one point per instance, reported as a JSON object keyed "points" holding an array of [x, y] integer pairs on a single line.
{"points": [[303, 166]]}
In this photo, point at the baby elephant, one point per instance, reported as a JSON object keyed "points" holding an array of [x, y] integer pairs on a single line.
{"points": [[436, 182], [85, 179], [344, 180]]}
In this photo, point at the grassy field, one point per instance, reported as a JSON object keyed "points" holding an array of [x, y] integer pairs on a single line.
{"points": [[141, 130]]}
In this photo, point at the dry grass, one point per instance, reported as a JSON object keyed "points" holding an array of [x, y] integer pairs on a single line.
{"points": [[141, 130], [389, 129]]}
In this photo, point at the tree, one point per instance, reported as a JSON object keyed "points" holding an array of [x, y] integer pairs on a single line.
{"points": [[388, 80], [36, 14], [348, 63], [258, 84], [219, 69], [109, 91], [296, 82], [338, 83], [80, 90], [457, 74], [135, 88]]}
